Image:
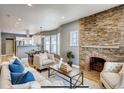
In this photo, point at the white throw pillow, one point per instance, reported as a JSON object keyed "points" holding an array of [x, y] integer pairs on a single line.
{"points": [[44, 56], [122, 70], [29, 85], [51, 56], [113, 67]]}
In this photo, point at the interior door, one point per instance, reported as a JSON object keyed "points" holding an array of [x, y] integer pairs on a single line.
{"points": [[9, 46]]}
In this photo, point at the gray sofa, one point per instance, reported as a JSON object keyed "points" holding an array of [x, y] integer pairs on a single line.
{"points": [[40, 80]]}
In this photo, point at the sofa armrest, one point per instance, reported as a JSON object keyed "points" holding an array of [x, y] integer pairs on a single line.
{"points": [[112, 67], [36, 60]]}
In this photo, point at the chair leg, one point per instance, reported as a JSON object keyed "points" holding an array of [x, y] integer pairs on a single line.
{"points": [[103, 85]]}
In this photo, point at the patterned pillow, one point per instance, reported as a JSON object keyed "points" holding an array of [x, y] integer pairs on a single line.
{"points": [[115, 68], [51, 56], [122, 70]]}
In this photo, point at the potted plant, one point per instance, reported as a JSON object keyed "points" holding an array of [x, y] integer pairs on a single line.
{"points": [[70, 56]]}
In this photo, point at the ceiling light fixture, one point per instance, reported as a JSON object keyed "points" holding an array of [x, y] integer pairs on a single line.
{"points": [[63, 17], [29, 4], [19, 19]]}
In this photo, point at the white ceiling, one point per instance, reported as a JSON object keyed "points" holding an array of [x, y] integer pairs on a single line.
{"points": [[46, 15]]}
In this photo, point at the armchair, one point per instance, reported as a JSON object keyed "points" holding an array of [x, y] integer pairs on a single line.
{"points": [[110, 76], [43, 60]]}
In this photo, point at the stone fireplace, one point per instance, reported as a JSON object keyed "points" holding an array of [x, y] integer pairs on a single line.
{"points": [[91, 55], [102, 35], [96, 63]]}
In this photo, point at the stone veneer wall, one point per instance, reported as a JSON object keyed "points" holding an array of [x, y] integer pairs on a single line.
{"points": [[102, 29]]}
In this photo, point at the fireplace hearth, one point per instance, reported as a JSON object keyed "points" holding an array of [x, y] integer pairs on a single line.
{"points": [[97, 63]]}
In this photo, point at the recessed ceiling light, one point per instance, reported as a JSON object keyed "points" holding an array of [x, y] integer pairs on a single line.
{"points": [[29, 4], [19, 19], [63, 17]]}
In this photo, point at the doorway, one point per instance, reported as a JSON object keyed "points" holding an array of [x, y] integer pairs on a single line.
{"points": [[9, 46]]}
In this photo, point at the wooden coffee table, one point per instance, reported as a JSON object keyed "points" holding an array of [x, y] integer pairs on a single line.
{"points": [[71, 75]]}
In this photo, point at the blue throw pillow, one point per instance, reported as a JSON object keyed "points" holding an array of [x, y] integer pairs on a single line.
{"points": [[20, 78], [15, 77], [16, 68], [17, 62], [27, 77]]}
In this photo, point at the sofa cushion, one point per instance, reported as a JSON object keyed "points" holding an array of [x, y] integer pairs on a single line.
{"points": [[5, 78], [44, 56], [22, 86], [16, 68], [29, 85], [120, 85], [47, 61], [112, 79], [35, 85]]}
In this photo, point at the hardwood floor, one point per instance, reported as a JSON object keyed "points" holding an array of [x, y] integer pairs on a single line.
{"points": [[92, 75]]}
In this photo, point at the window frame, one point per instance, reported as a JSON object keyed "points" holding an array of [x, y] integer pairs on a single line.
{"points": [[74, 40]]}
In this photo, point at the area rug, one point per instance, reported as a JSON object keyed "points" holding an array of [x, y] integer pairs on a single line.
{"points": [[86, 82]]}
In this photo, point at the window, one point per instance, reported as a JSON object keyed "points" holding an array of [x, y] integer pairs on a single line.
{"points": [[47, 43], [58, 43], [53, 43], [74, 38]]}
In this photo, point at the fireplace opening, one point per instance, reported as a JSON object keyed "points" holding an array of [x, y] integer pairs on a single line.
{"points": [[97, 63]]}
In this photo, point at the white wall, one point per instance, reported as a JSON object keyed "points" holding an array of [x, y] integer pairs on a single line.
{"points": [[64, 31], [65, 40]]}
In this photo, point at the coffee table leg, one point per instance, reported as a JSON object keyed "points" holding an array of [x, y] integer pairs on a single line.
{"points": [[49, 72], [82, 78], [70, 82]]}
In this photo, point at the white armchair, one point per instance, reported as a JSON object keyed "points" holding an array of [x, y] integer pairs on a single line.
{"points": [[110, 76], [43, 60]]}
